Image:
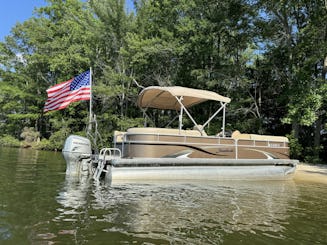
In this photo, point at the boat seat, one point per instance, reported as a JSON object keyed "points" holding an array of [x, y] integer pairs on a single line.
{"points": [[168, 131], [119, 136], [238, 135], [200, 129]]}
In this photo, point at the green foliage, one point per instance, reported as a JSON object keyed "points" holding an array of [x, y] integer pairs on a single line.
{"points": [[296, 149], [58, 138], [45, 144], [304, 109], [311, 156], [8, 140]]}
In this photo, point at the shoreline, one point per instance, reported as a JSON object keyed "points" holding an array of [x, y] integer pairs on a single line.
{"points": [[304, 172], [311, 173]]}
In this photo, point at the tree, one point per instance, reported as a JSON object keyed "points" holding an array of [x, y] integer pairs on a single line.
{"points": [[44, 50], [268, 56], [295, 35]]}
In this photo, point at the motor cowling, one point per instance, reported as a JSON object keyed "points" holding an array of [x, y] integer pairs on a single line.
{"points": [[77, 150]]}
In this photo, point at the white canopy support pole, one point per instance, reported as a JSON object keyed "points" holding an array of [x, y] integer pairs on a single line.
{"points": [[213, 116], [224, 112], [146, 116], [180, 121], [172, 120], [223, 107], [188, 114]]}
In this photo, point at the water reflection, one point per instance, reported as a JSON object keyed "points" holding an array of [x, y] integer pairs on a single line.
{"points": [[25, 172], [5, 233], [185, 212], [74, 194], [38, 205], [202, 210]]}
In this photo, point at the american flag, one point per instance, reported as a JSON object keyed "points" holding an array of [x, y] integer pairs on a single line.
{"points": [[62, 94]]}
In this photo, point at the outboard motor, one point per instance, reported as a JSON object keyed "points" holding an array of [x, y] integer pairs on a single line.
{"points": [[77, 153]]}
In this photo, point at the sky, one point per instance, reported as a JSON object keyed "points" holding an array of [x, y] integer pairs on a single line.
{"points": [[14, 11]]}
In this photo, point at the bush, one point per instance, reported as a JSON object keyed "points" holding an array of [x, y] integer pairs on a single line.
{"points": [[8, 140], [58, 138], [295, 146], [44, 144], [311, 154], [30, 136]]}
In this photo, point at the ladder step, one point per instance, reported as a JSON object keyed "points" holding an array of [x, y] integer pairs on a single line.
{"points": [[105, 154]]}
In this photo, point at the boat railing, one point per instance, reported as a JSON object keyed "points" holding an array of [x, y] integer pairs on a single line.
{"points": [[187, 139], [109, 153], [106, 154], [126, 139]]}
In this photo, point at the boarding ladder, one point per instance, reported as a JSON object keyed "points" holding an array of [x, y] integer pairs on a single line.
{"points": [[105, 155]]}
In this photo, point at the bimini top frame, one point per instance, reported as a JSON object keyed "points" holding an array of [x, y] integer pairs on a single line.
{"points": [[180, 99]]}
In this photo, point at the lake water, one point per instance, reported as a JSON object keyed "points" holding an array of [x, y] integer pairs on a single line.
{"points": [[39, 205]]}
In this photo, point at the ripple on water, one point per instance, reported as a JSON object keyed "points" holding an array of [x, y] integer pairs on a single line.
{"points": [[196, 212], [38, 204]]}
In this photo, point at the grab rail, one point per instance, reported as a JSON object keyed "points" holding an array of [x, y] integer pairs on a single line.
{"points": [[109, 153], [104, 155], [255, 142]]}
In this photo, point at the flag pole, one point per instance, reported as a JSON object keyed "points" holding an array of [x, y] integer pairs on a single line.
{"points": [[90, 110]]}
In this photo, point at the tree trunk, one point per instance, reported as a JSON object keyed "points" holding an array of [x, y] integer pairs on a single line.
{"points": [[295, 129], [317, 136]]}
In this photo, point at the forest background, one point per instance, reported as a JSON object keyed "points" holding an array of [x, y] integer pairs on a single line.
{"points": [[269, 57]]}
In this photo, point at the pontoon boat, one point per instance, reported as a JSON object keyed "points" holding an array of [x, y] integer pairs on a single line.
{"points": [[151, 153]]}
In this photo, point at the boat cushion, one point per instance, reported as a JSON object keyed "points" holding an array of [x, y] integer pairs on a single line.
{"points": [[168, 131], [119, 136], [237, 135]]}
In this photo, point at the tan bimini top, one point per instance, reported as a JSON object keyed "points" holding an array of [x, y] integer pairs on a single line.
{"points": [[165, 97]]}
